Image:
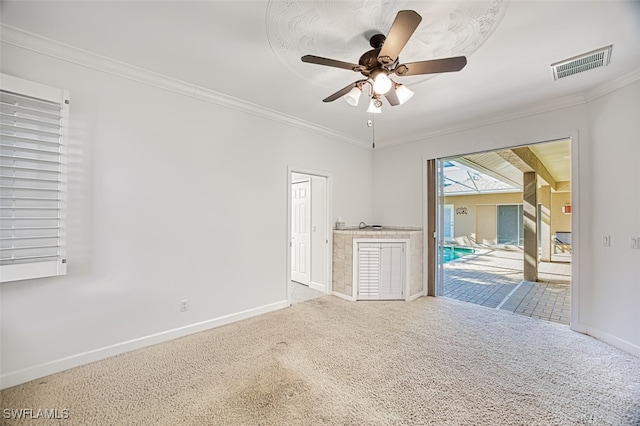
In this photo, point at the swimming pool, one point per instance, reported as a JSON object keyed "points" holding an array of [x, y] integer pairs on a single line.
{"points": [[450, 253]]}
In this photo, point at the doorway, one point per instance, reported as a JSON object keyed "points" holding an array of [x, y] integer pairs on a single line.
{"points": [[512, 210], [309, 234]]}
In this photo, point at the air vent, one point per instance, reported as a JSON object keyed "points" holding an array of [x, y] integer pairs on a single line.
{"points": [[586, 61]]}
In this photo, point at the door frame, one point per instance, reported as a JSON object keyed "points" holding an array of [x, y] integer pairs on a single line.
{"points": [[430, 187], [328, 252]]}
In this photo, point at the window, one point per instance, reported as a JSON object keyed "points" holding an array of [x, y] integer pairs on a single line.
{"points": [[32, 179], [511, 224]]}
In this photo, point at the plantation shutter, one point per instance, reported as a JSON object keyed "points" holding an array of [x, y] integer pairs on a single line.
{"points": [[391, 270], [368, 271], [32, 180], [380, 271]]}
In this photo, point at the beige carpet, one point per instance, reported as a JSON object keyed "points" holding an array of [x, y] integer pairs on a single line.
{"points": [[329, 361]]}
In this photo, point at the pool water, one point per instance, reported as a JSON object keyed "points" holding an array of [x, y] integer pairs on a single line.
{"points": [[450, 253]]}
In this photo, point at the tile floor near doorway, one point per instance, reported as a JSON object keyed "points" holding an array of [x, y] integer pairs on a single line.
{"points": [[302, 293], [493, 278]]}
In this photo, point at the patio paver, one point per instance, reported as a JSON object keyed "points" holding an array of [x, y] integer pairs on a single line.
{"points": [[494, 278]]}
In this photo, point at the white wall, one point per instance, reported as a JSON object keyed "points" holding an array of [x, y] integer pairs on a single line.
{"points": [[170, 198], [614, 169], [607, 284]]}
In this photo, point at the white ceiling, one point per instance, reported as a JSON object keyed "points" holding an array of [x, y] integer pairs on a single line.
{"points": [[224, 46]]}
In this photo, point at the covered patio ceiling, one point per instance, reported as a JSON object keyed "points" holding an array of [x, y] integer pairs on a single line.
{"points": [[501, 171]]}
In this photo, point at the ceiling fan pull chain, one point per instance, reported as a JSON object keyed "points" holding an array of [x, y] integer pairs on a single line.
{"points": [[371, 124]]}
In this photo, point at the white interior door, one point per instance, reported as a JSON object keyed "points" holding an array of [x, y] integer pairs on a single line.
{"points": [[300, 231]]}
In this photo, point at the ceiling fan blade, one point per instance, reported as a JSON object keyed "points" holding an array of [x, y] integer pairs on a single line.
{"points": [[331, 63], [392, 97], [340, 93], [401, 30], [431, 67]]}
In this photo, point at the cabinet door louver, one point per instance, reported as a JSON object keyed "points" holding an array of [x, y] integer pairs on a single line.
{"points": [[32, 179], [369, 271], [391, 271], [380, 271]]}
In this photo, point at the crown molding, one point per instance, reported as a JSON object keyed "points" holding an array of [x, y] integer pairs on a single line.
{"points": [[49, 47], [613, 85], [539, 108], [500, 117], [65, 52]]}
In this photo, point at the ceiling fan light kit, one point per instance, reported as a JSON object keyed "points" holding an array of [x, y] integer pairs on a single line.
{"points": [[353, 96], [382, 61], [375, 105], [403, 93]]}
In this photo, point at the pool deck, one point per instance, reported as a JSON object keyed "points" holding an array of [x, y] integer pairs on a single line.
{"points": [[494, 278]]}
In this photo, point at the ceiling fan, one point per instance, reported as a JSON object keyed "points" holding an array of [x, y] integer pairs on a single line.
{"points": [[382, 61]]}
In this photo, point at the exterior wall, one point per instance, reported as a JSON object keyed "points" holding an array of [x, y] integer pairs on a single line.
{"points": [[560, 222], [478, 226], [467, 226]]}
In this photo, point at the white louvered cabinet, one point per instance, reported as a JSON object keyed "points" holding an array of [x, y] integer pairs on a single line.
{"points": [[380, 269]]}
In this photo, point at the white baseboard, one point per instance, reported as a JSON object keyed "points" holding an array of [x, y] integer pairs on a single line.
{"points": [[614, 341], [31, 373], [316, 286], [415, 296], [344, 296]]}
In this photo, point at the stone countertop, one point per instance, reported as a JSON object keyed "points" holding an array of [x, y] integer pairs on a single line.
{"points": [[405, 229]]}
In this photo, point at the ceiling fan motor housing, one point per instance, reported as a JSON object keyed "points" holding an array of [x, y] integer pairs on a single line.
{"points": [[376, 41]]}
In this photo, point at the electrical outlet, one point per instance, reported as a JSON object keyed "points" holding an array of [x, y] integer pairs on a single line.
{"points": [[606, 240], [184, 305]]}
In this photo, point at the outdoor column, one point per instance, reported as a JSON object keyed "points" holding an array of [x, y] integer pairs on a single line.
{"points": [[545, 224], [530, 203]]}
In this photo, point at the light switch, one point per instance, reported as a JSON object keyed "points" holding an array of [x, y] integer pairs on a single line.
{"points": [[606, 241], [634, 243]]}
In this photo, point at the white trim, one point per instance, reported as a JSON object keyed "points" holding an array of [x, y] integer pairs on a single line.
{"points": [[613, 85], [500, 117], [613, 340], [425, 227], [415, 296], [33, 270], [326, 289], [49, 47], [344, 296], [513, 114], [317, 287], [22, 376], [574, 314], [34, 89]]}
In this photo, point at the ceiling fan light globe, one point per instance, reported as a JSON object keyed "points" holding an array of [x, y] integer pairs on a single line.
{"points": [[373, 107], [382, 84], [403, 93], [353, 96]]}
